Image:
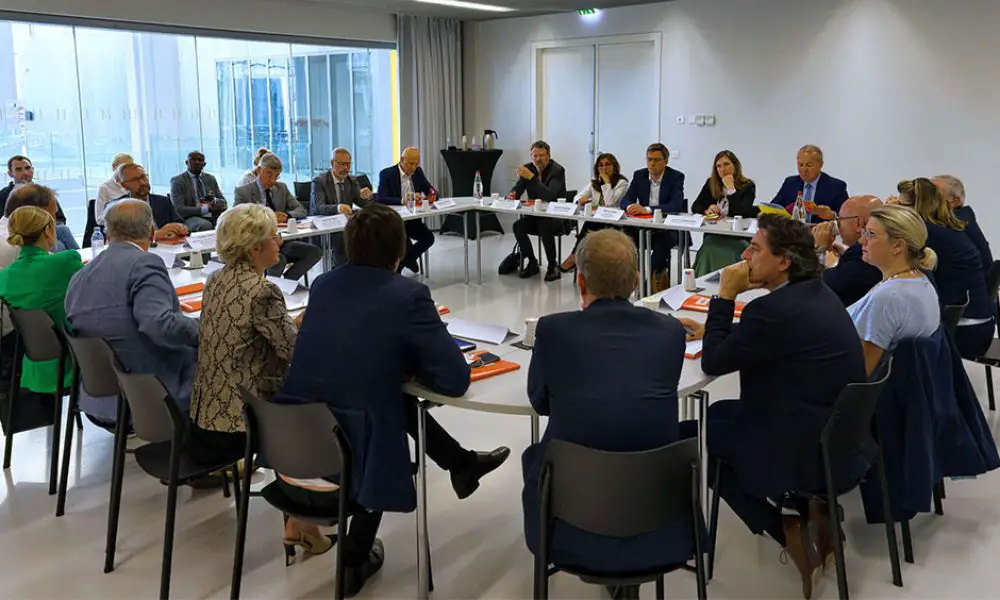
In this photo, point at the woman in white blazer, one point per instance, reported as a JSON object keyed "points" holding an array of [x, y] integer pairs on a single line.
{"points": [[607, 188]]}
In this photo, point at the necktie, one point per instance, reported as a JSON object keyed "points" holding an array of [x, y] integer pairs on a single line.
{"points": [[270, 201], [340, 192], [201, 187], [807, 195]]}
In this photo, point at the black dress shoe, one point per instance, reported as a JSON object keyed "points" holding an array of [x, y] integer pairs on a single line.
{"points": [[355, 577], [623, 592], [466, 480], [529, 271], [553, 273]]}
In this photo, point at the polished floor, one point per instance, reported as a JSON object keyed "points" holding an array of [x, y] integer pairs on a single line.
{"points": [[477, 544]]}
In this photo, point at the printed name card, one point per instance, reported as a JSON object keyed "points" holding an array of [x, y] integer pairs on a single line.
{"points": [[199, 241], [402, 210], [693, 221], [608, 214], [445, 203], [562, 208], [329, 222], [504, 204], [753, 226]]}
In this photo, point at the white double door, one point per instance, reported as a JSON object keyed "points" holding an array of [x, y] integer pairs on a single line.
{"points": [[597, 96]]}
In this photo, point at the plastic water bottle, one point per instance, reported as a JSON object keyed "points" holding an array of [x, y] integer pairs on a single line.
{"points": [[97, 241], [477, 187], [799, 211]]}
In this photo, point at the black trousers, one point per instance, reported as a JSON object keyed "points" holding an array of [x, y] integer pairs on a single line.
{"points": [[662, 242], [301, 256], [422, 239], [587, 229], [212, 447], [547, 229]]}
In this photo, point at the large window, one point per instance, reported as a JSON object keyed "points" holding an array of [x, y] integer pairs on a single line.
{"points": [[73, 97]]}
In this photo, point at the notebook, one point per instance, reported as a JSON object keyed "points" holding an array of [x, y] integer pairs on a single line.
{"points": [[497, 368], [190, 306], [191, 288], [699, 303]]}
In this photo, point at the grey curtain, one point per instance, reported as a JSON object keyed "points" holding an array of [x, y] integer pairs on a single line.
{"points": [[430, 90]]}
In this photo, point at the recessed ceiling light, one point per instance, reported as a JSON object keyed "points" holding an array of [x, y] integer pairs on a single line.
{"points": [[469, 5]]}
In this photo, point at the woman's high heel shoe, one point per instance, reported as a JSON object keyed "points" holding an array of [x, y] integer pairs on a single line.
{"points": [[312, 544]]}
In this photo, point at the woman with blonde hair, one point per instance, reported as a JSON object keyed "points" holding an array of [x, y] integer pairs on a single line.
{"points": [[37, 279], [904, 304], [251, 175], [959, 275], [727, 193]]}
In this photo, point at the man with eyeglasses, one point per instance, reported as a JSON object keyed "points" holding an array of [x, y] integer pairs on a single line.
{"points": [[170, 227], [337, 192], [852, 278]]}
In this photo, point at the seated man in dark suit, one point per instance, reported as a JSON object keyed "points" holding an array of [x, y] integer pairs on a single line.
{"points": [[22, 172], [658, 186], [815, 186], [196, 195], [297, 255], [607, 379], [795, 349], [542, 179], [852, 278], [393, 185], [392, 334], [336, 192], [954, 191], [170, 226]]}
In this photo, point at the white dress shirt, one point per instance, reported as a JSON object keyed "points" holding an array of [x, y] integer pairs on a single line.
{"points": [[654, 190], [607, 196], [405, 184], [107, 192]]}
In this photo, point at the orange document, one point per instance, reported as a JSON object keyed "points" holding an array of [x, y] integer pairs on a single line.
{"points": [[442, 309], [191, 288], [172, 241], [190, 306], [497, 368], [699, 303]]}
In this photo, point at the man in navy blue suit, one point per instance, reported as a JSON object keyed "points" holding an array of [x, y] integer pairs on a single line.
{"points": [[170, 226], [606, 377], [389, 333], [795, 349], [954, 191], [658, 186], [393, 183], [826, 191], [852, 278]]}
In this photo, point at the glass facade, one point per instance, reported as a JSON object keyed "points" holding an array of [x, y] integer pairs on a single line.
{"points": [[73, 97]]}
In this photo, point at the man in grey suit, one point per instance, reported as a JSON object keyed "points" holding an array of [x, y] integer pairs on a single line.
{"points": [[125, 296], [196, 195], [267, 190], [336, 192]]}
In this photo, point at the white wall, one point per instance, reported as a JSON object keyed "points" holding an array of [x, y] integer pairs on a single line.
{"points": [[288, 17], [891, 89]]}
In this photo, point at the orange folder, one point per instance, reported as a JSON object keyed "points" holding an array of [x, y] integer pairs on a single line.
{"points": [[172, 241], [190, 306], [191, 288], [693, 356], [699, 303], [497, 368], [442, 309]]}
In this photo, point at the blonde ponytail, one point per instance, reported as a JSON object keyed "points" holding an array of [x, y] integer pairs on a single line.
{"points": [[27, 225], [927, 259], [15, 239]]}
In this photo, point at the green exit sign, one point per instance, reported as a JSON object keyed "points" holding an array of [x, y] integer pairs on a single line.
{"points": [[583, 12]]}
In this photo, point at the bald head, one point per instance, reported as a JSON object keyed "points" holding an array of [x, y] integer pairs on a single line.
{"points": [[854, 214], [130, 221], [606, 264], [409, 160]]}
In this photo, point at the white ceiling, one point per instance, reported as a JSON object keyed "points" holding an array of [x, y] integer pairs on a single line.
{"points": [[522, 7]]}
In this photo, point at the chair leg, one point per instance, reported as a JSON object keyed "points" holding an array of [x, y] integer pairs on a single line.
{"points": [[56, 433], [660, 588], [242, 508], [225, 484], [168, 538], [938, 493], [904, 528], [117, 474], [430, 569], [714, 525], [989, 387], [79, 419], [890, 526], [74, 403], [13, 397]]}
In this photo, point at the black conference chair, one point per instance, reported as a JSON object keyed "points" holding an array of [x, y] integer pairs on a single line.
{"points": [[158, 420], [951, 314], [618, 494], [95, 373], [992, 357], [847, 431], [39, 341], [91, 225], [303, 193]]}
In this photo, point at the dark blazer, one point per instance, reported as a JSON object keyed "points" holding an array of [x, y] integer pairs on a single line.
{"points": [[390, 185], [975, 234], [740, 203], [163, 209], [185, 197], [5, 193], [959, 270], [323, 195], [830, 191], [393, 332], [282, 199], [795, 349], [550, 186], [671, 198], [966, 213], [852, 278], [607, 379]]}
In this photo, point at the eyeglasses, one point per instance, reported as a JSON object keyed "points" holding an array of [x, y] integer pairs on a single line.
{"points": [[843, 219], [868, 234], [342, 163]]}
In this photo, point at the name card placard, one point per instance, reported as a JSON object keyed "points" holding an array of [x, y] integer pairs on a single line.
{"points": [[752, 227], [445, 203], [608, 214], [402, 210], [504, 204], [562, 208], [692, 221], [201, 242], [330, 222]]}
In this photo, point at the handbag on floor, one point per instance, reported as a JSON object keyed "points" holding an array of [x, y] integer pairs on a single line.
{"points": [[511, 263]]}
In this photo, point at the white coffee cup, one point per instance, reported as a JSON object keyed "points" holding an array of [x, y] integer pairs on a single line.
{"points": [[529, 332], [651, 302], [588, 210], [538, 206], [690, 282], [293, 226], [195, 261], [495, 195], [737, 223], [658, 216]]}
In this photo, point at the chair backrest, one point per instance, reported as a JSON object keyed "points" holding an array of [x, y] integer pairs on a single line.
{"points": [[155, 415], [570, 195], [95, 362], [38, 335], [849, 426], [619, 494], [88, 229], [303, 193], [951, 314], [993, 287], [298, 440]]}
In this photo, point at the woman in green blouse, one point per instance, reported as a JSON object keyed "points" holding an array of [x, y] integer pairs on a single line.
{"points": [[38, 279]]}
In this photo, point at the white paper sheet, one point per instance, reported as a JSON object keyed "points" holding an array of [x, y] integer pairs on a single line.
{"points": [[296, 301], [287, 286], [480, 332], [694, 347], [752, 228], [443, 203], [202, 240], [167, 257], [211, 267], [402, 210], [675, 297]]}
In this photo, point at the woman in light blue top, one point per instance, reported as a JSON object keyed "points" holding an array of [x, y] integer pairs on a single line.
{"points": [[904, 304]]}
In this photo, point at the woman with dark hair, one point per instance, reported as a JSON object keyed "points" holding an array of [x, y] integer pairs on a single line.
{"points": [[727, 193], [959, 272], [607, 188]]}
